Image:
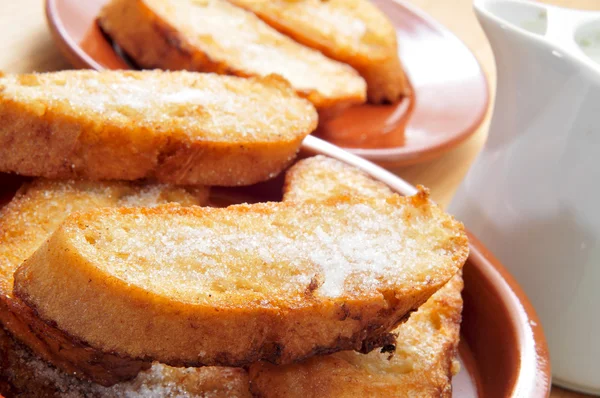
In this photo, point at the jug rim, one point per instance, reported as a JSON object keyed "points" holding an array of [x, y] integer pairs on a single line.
{"points": [[563, 24]]}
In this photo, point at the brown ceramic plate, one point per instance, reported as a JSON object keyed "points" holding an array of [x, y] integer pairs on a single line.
{"points": [[502, 350], [450, 100]]}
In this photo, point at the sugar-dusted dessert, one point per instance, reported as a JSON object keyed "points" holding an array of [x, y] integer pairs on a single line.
{"points": [[37, 209], [177, 127], [424, 359], [352, 31], [272, 281], [216, 36]]}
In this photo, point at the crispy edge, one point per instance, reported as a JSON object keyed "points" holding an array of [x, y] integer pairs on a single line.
{"points": [[54, 145], [335, 376], [22, 374], [367, 325], [152, 42], [64, 351]]}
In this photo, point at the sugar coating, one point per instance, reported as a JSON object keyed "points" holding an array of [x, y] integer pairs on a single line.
{"points": [[197, 105], [40, 206], [424, 359], [36, 211], [355, 27], [343, 248], [250, 46]]}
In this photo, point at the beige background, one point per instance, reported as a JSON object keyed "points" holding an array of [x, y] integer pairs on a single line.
{"points": [[26, 46]]}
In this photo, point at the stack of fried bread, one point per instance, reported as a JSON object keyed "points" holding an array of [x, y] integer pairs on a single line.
{"points": [[335, 53], [118, 279]]}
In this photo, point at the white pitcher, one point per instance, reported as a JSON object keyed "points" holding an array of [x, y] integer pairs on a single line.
{"points": [[533, 194]]}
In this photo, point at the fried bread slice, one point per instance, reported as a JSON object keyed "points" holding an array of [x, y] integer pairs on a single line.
{"points": [[176, 127], [355, 32], [215, 36], [424, 360], [24, 375], [37, 209], [271, 281]]}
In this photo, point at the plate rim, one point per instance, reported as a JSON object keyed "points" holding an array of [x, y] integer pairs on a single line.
{"points": [[71, 50]]}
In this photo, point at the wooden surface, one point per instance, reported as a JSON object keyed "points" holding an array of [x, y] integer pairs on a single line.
{"points": [[26, 46]]}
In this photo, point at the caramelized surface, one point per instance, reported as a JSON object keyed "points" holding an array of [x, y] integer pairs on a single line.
{"points": [[287, 280], [271, 252], [151, 103], [175, 127]]}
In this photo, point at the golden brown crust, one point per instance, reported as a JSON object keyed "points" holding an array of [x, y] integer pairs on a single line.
{"points": [[420, 366], [426, 344], [387, 81], [350, 31], [164, 34], [49, 127], [64, 351], [35, 211], [264, 318]]}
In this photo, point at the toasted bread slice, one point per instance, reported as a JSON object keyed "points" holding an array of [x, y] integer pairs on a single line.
{"points": [[215, 36], [352, 31], [178, 127], [24, 375], [424, 360], [38, 208], [272, 281]]}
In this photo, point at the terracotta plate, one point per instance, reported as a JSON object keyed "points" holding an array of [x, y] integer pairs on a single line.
{"points": [[450, 101], [503, 350]]}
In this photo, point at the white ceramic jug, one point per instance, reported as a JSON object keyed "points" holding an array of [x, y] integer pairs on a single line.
{"points": [[533, 194]]}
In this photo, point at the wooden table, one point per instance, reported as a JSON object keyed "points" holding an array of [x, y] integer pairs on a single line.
{"points": [[26, 46]]}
